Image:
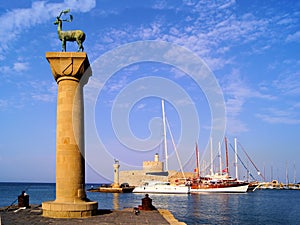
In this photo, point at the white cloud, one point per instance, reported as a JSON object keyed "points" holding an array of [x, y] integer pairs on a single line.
{"points": [[287, 89], [227, 4], [235, 126], [15, 22], [114, 85], [237, 92], [17, 68], [141, 106], [42, 91], [293, 37], [288, 84], [43, 97], [279, 116], [234, 85], [212, 41], [285, 21], [205, 39], [161, 4], [80, 5], [296, 105], [177, 73], [3, 104], [20, 66]]}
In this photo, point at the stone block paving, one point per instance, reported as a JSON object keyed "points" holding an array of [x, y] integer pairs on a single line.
{"points": [[33, 216]]}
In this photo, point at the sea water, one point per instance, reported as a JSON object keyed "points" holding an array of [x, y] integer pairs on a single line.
{"points": [[258, 207]]}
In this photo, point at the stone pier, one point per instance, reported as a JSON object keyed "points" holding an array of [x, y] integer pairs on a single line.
{"points": [[71, 70]]}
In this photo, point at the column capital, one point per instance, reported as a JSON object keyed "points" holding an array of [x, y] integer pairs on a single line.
{"points": [[69, 65]]}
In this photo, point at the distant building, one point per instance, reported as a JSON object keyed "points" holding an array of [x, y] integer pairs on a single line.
{"points": [[152, 170]]}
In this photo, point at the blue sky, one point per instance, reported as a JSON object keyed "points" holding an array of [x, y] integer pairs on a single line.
{"points": [[250, 49]]}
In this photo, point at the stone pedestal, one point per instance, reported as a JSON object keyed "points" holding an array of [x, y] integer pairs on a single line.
{"points": [[71, 71]]}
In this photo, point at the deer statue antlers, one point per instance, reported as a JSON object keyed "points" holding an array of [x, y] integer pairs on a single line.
{"points": [[70, 35]]}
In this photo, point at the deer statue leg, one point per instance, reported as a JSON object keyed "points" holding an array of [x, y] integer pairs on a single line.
{"points": [[80, 46], [63, 45]]}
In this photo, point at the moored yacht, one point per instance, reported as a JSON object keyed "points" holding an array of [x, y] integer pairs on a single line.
{"points": [[219, 186], [217, 183], [161, 188]]}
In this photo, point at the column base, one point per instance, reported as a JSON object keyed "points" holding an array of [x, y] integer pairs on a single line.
{"points": [[69, 210]]}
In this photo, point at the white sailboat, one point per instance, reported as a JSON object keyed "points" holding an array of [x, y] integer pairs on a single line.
{"points": [[215, 183], [158, 186], [161, 188]]}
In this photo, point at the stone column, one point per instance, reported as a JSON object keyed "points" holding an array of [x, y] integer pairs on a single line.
{"points": [[116, 175], [71, 71]]}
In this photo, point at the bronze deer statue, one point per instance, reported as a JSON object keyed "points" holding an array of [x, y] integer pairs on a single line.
{"points": [[70, 35]]}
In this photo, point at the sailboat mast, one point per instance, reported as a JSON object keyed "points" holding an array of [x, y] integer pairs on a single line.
{"points": [[197, 162], [226, 147], [236, 159], [258, 172], [271, 172], [264, 173], [173, 142], [165, 133], [211, 159], [286, 173], [220, 159], [294, 173]]}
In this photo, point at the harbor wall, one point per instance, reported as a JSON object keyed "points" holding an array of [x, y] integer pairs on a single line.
{"points": [[136, 177], [153, 171]]}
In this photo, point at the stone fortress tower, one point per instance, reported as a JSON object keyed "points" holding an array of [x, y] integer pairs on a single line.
{"points": [[152, 170], [153, 166]]}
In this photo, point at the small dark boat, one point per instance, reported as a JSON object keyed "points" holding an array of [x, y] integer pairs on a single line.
{"points": [[124, 188], [252, 186]]}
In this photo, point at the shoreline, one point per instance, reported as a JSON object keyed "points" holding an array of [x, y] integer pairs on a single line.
{"points": [[14, 215]]}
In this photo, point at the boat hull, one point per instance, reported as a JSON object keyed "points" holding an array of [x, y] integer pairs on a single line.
{"points": [[163, 189], [112, 190], [221, 189]]}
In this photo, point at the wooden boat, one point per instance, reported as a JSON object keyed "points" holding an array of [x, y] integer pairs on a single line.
{"points": [[217, 183], [252, 186], [124, 188], [208, 184]]}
